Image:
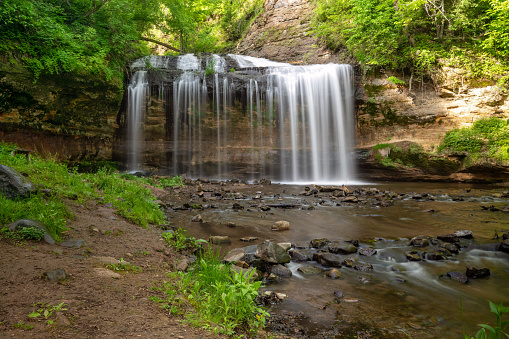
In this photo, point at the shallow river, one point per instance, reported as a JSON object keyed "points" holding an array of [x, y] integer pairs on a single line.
{"points": [[414, 298]]}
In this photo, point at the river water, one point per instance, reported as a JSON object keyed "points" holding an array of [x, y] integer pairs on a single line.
{"points": [[414, 298]]}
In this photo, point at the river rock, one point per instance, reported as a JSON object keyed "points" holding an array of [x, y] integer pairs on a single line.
{"points": [[24, 223], [231, 224], [13, 184], [299, 255], [309, 269], [451, 238], [334, 273], [476, 273], [363, 266], [338, 294], [451, 248], [458, 276], [249, 239], [420, 241], [327, 259], [349, 262], [281, 271], [319, 243], [264, 182], [272, 253], [435, 256], [367, 251], [505, 236], [220, 239], [413, 256], [341, 248], [504, 246], [55, 275], [465, 234], [351, 199], [197, 218], [281, 226], [237, 254]]}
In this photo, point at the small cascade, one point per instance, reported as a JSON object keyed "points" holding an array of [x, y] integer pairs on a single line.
{"points": [[137, 103], [246, 117]]}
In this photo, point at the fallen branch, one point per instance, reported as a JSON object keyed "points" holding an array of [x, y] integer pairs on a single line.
{"points": [[160, 43]]}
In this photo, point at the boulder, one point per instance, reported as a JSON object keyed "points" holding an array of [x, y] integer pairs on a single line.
{"points": [[299, 255], [27, 223], [237, 254], [272, 253], [465, 234], [458, 276], [420, 241], [13, 184], [475, 273], [281, 271], [451, 238], [285, 245], [327, 259], [341, 248], [367, 251], [334, 273], [309, 269], [435, 256], [319, 243], [281, 226]]}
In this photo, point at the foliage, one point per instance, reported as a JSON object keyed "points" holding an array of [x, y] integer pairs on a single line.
{"points": [[124, 266], [396, 81], [25, 233], [237, 16], [420, 36], [180, 240], [24, 326], [46, 311], [497, 332], [487, 138], [130, 197], [211, 294]]}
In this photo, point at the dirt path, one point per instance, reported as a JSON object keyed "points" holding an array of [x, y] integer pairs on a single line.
{"points": [[97, 306]]}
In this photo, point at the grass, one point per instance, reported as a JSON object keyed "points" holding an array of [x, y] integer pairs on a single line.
{"points": [[124, 266], [213, 297], [129, 196]]}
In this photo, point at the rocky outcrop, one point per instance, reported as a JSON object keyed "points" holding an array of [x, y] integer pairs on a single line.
{"points": [[67, 115], [13, 184]]}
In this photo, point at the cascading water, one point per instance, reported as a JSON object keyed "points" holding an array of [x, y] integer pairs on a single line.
{"points": [[260, 119], [137, 92]]}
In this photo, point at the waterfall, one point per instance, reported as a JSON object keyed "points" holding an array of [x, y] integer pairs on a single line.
{"points": [[240, 116], [137, 102]]}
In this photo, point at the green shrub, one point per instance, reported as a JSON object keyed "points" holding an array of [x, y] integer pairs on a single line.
{"points": [[25, 233]]}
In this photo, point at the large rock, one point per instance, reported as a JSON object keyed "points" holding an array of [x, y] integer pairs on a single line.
{"points": [[281, 226], [475, 273], [504, 246], [319, 243], [13, 185], [237, 254], [281, 271], [466, 234], [27, 223], [458, 276], [272, 253], [334, 273], [341, 248], [367, 251], [327, 259], [420, 241], [299, 255]]}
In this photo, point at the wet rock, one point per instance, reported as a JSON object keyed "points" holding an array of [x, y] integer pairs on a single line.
{"points": [[55, 275], [106, 273], [220, 239], [265, 208], [353, 242], [197, 218], [231, 224], [236, 206], [504, 246], [264, 182], [309, 270], [465, 234], [351, 199], [307, 207], [334, 274], [27, 223], [299, 255], [341, 248], [285, 245], [420, 241], [281, 271], [366, 280], [363, 266], [458, 276], [249, 239], [234, 255], [319, 243], [451, 238], [435, 256], [13, 184], [448, 247], [73, 243], [349, 262], [505, 236], [251, 272], [272, 253], [327, 259], [338, 294], [413, 256], [281, 226], [367, 251], [476, 273]]}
